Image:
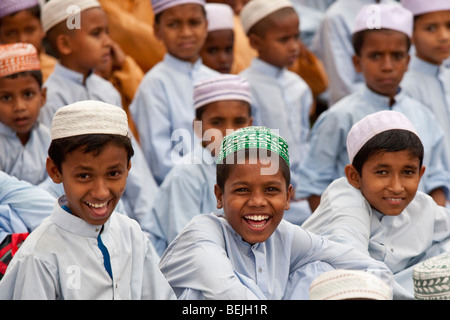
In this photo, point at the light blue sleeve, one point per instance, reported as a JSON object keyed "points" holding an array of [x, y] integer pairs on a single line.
{"points": [[179, 200], [327, 144], [337, 255], [150, 112], [32, 204], [197, 260], [141, 189], [332, 43]]}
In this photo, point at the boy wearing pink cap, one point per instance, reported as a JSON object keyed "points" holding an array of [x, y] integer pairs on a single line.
{"points": [[376, 207], [23, 139], [427, 79], [162, 108], [381, 41], [20, 21]]}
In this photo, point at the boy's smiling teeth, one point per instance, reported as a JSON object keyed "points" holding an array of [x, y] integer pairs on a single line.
{"points": [[257, 217], [96, 205]]}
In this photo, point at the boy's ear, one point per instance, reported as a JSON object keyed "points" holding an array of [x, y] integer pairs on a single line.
{"points": [[356, 62], [254, 41], [219, 194], [156, 31], [352, 175], [289, 194], [43, 96], [250, 121], [63, 44], [53, 171]]}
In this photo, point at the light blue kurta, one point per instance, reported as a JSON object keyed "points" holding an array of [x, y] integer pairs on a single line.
{"points": [[419, 232], [332, 44], [61, 260], [65, 86], [163, 111], [26, 162], [209, 260], [23, 206], [430, 84], [188, 190], [328, 157], [281, 100]]}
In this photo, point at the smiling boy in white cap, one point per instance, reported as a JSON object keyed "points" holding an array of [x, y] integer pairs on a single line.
{"points": [[79, 33], [85, 249], [377, 207], [428, 79], [381, 42], [250, 251]]}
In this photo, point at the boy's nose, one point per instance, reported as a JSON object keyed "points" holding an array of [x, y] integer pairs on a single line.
{"points": [[396, 185], [257, 199], [100, 190], [19, 105]]}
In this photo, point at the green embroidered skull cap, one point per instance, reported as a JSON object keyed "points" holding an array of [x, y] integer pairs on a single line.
{"points": [[253, 137], [431, 278]]}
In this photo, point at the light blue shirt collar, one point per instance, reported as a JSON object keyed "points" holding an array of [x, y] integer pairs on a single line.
{"points": [[379, 99], [70, 74], [424, 66], [181, 65], [267, 68], [74, 224]]}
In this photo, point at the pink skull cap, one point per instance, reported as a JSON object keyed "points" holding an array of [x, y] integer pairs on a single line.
{"points": [[161, 5], [418, 7], [384, 16], [8, 7], [373, 124]]}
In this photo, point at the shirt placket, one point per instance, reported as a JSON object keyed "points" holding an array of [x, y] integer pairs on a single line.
{"points": [[260, 267]]}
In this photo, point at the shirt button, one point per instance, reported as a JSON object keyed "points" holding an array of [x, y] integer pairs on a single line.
{"points": [[260, 269], [97, 229]]}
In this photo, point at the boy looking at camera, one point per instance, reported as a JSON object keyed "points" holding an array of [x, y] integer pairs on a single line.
{"points": [[222, 104], [381, 55], [162, 108], [428, 79], [249, 251], [86, 250], [24, 140], [282, 100], [376, 207]]}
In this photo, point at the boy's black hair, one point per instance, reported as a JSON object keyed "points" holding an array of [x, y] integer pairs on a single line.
{"points": [[34, 10], [261, 27], [88, 143], [223, 168], [199, 111], [36, 74], [158, 16], [389, 141], [358, 40]]}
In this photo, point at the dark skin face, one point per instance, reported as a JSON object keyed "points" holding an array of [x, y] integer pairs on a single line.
{"points": [[253, 203], [383, 60], [217, 52]]}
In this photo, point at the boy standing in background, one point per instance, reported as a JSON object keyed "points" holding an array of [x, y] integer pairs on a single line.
{"points": [[162, 108]]}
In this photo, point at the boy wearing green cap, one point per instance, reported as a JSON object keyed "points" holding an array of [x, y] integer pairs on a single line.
{"points": [[249, 251]]}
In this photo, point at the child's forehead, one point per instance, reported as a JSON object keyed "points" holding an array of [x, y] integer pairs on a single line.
{"points": [[385, 158]]}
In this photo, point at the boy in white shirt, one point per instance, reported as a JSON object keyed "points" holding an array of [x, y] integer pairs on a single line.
{"points": [[86, 250]]}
